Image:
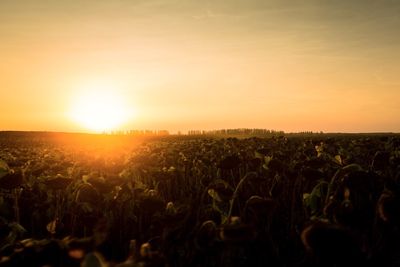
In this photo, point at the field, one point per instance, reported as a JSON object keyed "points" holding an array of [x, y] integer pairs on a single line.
{"points": [[294, 200]]}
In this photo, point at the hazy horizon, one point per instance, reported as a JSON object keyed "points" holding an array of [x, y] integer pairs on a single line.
{"points": [[294, 66]]}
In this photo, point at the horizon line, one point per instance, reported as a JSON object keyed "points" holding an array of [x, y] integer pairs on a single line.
{"points": [[187, 132]]}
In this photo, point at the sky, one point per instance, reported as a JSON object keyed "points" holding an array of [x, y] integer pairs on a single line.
{"points": [[291, 65]]}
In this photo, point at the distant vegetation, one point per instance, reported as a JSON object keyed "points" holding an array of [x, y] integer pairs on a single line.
{"points": [[244, 132]]}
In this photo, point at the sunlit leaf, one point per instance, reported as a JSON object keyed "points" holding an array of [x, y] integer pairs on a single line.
{"points": [[51, 227], [338, 159], [214, 194], [319, 149]]}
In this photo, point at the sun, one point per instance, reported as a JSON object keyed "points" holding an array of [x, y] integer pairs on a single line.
{"points": [[100, 109]]}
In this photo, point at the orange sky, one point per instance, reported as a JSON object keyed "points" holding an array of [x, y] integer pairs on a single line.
{"points": [[179, 65]]}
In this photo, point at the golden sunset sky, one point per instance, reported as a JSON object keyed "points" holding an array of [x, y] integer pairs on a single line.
{"points": [[291, 65]]}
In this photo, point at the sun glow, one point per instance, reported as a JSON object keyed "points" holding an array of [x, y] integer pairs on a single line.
{"points": [[100, 109]]}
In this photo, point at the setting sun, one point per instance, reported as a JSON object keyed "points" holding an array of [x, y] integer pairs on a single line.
{"points": [[100, 110]]}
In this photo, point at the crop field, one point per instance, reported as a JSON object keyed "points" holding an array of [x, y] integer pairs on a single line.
{"points": [[317, 200]]}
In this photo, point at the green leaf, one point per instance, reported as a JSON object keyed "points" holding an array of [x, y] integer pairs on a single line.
{"points": [[87, 208], [314, 199], [267, 159], [4, 169], [258, 155], [352, 168]]}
